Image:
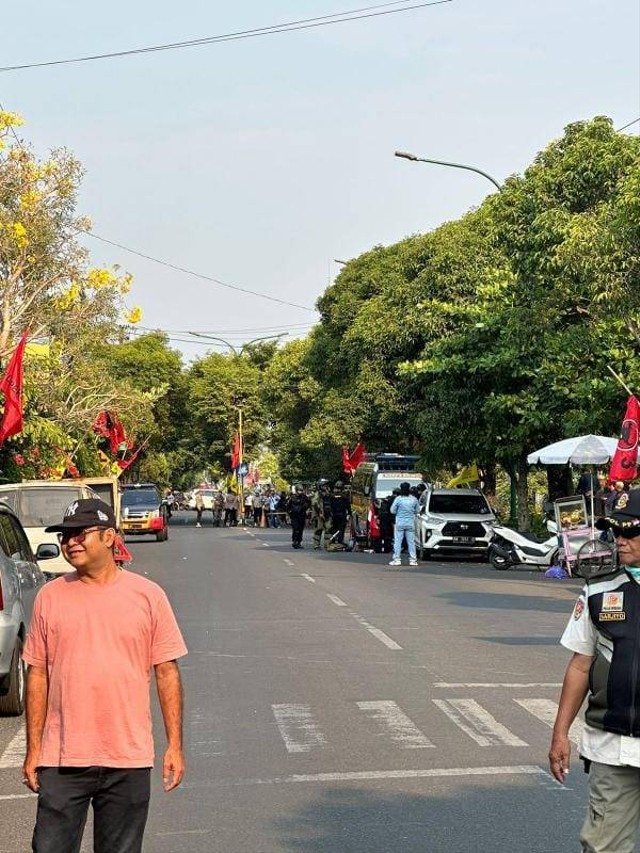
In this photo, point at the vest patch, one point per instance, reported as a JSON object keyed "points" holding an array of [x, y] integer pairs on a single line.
{"points": [[615, 616], [612, 601]]}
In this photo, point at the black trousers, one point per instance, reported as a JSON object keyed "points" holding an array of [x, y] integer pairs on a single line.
{"points": [[120, 800], [297, 528]]}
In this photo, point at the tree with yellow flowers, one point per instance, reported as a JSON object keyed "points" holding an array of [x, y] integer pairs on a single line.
{"points": [[48, 286]]}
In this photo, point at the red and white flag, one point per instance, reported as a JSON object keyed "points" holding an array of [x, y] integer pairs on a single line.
{"points": [[624, 465], [11, 387]]}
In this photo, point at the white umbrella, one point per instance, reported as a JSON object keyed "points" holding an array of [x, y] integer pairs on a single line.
{"points": [[583, 450]]}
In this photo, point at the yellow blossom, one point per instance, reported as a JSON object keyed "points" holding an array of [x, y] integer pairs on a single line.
{"points": [[20, 235], [134, 316], [98, 278]]}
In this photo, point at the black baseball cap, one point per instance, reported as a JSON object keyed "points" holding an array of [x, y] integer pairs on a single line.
{"points": [[626, 514], [85, 512]]}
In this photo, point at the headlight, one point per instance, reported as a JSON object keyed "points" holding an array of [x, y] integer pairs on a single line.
{"points": [[155, 514]]}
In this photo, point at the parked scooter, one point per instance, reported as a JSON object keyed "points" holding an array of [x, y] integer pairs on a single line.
{"points": [[510, 548]]}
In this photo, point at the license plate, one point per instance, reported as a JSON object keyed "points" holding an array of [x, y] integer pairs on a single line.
{"points": [[136, 526], [463, 540]]}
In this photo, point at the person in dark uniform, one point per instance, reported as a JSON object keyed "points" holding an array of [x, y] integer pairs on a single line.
{"points": [[340, 512], [297, 506]]}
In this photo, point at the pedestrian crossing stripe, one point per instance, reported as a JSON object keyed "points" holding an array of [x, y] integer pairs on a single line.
{"points": [[301, 733]]}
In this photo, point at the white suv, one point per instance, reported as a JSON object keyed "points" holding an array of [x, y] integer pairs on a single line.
{"points": [[454, 520]]}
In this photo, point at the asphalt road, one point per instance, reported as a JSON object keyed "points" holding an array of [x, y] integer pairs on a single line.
{"points": [[337, 705]]}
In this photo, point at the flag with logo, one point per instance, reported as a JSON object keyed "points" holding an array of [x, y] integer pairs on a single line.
{"points": [[11, 387], [624, 465]]}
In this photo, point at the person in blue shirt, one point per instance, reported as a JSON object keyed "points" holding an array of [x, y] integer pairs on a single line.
{"points": [[405, 508]]}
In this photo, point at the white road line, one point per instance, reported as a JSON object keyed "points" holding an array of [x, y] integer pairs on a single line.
{"points": [[545, 710], [515, 684], [288, 562], [401, 728], [298, 728], [17, 796], [308, 578], [337, 601], [266, 545], [377, 633], [13, 756], [478, 723], [363, 776]]}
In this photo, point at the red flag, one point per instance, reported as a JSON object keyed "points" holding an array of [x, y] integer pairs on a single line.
{"points": [[351, 461], [235, 452], [108, 426], [359, 455], [11, 387], [624, 465]]}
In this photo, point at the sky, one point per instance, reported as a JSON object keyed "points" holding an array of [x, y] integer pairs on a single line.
{"points": [[260, 162]]}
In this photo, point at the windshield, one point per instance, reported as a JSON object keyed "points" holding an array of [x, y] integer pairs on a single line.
{"points": [[459, 504], [42, 507], [140, 497], [386, 485]]}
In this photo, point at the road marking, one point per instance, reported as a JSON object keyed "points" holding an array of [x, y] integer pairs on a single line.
{"points": [[308, 578], [477, 722], [337, 601], [298, 728], [13, 756], [266, 545], [545, 710], [401, 728], [288, 562], [377, 633], [362, 776], [17, 796], [516, 684]]}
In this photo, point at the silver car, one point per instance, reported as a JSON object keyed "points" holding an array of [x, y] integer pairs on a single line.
{"points": [[20, 580]]}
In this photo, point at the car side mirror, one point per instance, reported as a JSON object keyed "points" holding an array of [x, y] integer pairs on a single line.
{"points": [[47, 551]]}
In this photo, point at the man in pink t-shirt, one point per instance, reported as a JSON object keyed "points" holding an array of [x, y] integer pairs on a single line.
{"points": [[94, 638]]}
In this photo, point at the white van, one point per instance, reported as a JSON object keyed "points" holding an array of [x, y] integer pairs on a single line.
{"points": [[39, 503]]}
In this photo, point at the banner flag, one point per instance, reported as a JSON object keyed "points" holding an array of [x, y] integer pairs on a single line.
{"points": [[235, 452], [11, 387], [624, 465]]}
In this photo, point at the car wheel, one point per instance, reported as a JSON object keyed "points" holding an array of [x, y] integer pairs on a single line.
{"points": [[12, 698], [162, 535]]}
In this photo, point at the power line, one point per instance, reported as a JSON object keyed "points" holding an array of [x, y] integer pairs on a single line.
{"points": [[624, 127], [225, 331], [197, 274], [286, 27]]}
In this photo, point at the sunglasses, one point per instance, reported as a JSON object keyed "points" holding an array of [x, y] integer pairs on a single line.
{"points": [[78, 535], [625, 532]]}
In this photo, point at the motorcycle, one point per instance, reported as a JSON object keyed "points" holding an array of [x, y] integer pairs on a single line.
{"points": [[510, 548]]}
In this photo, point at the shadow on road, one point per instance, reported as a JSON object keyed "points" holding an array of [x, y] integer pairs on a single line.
{"points": [[506, 601], [482, 818]]}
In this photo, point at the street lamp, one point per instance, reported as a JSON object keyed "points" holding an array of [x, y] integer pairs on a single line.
{"points": [[235, 350], [406, 155]]}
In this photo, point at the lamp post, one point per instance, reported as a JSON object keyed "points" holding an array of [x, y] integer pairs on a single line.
{"points": [[406, 155], [234, 349]]}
